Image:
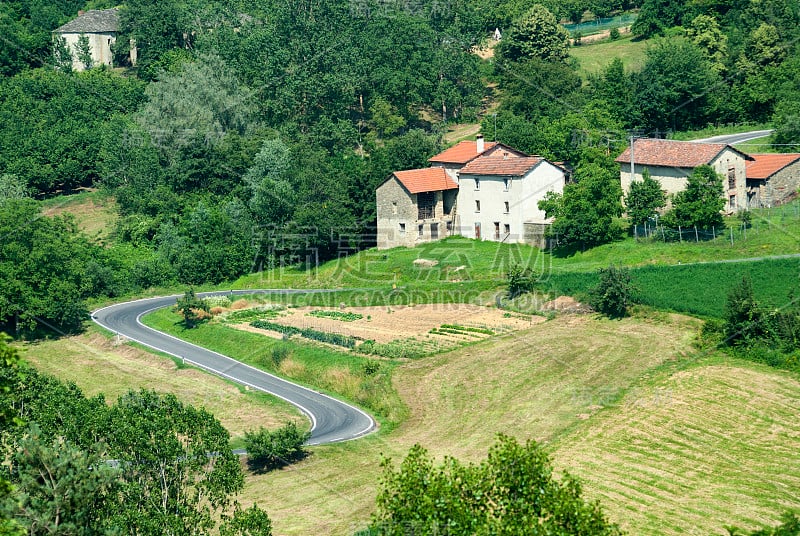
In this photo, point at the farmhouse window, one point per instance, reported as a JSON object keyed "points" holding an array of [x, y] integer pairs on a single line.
{"points": [[733, 202], [421, 230], [732, 179], [505, 184], [434, 231], [505, 207], [477, 184], [402, 228], [497, 230], [507, 228], [477, 205], [426, 203]]}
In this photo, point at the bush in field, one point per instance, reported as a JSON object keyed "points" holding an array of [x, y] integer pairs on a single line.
{"points": [[614, 293], [520, 281], [279, 353], [218, 301], [268, 450], [743, 316]]}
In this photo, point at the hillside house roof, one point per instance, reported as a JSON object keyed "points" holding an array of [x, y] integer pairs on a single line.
{"points": [[763, 166], [672, 153], [507, 167], [461, 153], [425, 180], [93, 21]]}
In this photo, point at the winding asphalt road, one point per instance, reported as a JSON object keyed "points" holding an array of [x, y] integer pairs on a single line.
{"points": [[331, 420], [733, 139]]}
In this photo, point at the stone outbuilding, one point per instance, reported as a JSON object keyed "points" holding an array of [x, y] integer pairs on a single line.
{"points": [[772, 179], [100, 28], [671, 163], [415, 206]]}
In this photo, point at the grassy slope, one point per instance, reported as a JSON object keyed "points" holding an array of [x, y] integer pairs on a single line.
{"points": [[97, 365], [94, 212], [594, 57], [625, 405]]}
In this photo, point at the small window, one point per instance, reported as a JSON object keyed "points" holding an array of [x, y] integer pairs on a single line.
{"points": [[434, 231], [731, 179], [505, 207], [449, 227], [733, 202], [477, 205], [402, 228], [394, 207], [421, 231], [506, 182], [506, 228], [497, 230], [477, 184]]}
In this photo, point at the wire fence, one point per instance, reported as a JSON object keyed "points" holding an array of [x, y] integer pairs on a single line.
{"points": [[758, 222], [600, 24]]}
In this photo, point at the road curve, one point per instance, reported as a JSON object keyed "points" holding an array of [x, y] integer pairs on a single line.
{"points": [[732, 139], [331, 420]]}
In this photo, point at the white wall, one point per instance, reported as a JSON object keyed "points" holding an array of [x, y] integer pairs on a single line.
{"points": [[100, 44], [522, 195]]}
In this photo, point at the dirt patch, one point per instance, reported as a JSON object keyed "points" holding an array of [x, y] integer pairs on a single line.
{"points": [[566, 304], [386, 324]]}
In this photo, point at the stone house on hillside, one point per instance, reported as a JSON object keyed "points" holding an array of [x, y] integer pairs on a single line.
{"points": [[772, 179], [415, 206], [671, 162], [100, 27], [485, 191]]}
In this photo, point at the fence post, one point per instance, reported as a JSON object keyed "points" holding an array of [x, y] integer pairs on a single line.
{"points": [[714, 231], [731, 235], [680, 234], [663, 235], [696, 236]]}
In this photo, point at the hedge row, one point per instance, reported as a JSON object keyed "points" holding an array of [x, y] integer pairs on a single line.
{"points": [[308, 333]]}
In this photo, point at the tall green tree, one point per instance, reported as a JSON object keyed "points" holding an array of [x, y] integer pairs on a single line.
{"points": [[700, 204], [537, 34], [179, 470], [513, 491], [585, 213], [644, 199]]}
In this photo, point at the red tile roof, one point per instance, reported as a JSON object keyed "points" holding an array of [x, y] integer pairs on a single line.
{"points": [[461, 153], [672, 153], [492, 165], [763, 166], [425, 180]]}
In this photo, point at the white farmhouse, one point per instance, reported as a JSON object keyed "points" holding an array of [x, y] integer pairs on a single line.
{"points": [[480, 190], [99, 27]]}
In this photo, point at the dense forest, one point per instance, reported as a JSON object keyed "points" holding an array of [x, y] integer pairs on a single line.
{"points": [[254, 133]]}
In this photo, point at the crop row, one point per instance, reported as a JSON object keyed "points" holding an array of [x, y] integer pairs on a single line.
{"points": [[315, 335], [336, 315]]}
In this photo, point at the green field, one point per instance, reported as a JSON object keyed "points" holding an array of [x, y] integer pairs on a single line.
{"points": [[594, 57]]}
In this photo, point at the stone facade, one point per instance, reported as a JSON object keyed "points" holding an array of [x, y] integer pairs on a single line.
{"points": [[728, 162], [776, 185], [399, 221]]}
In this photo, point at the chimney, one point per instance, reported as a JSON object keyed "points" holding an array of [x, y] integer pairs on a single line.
{"points": [[481, 146]]}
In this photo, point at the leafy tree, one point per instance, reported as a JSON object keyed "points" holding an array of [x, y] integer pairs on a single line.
{"points": [[700, 204], [537, 88], [62, 55], [270, 449], [787, 126], [192, 308], [513, 491], [674, 85], [657, 15], [617, 89], [251, 522], [272, 201], [179, 471], [644, 199], [584, 213], [743, 316], [706, 34], [614, 292], [60, 489], [12, 187], [537, 34], [83, 51]]}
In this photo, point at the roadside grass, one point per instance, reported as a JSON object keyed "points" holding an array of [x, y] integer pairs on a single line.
{"points": [[314, 365], [594, 57], [597, 393], [97, 365], [761, 145], [719, 130], [697, 289], [95, 212]]}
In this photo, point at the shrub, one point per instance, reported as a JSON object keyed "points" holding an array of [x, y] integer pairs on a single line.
{"points": [[520, 281], [371, 367], [614, 293], [613, 34], [279, 353], [193, 309], [217, 301], [268, 450]]}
